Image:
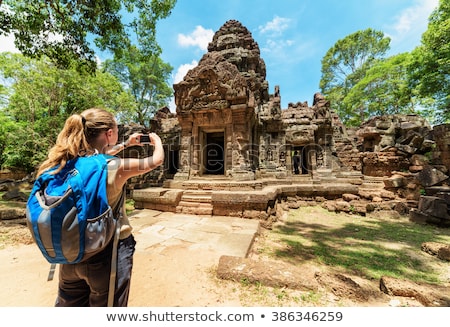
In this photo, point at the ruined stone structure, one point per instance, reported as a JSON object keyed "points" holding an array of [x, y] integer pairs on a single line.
{"points": [[217, 107], [231, 126], [230, 149], [229, 136]]}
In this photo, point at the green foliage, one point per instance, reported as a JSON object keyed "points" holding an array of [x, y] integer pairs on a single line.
{"points": [[49, 82], [22, 147], [345, 65], [38, 99], [368, 246], [430, 68], [146, 78], [61, 30], [383, 90]]}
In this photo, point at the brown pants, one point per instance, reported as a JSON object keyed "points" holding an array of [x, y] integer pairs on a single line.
{"points": [[86, 284]]}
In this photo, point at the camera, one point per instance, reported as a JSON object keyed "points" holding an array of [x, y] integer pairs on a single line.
{"points": [[144, 139]]}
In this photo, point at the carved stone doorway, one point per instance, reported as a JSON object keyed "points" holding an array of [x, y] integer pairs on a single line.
{"points": [[304, 155], [214, 153], [173, 162]]}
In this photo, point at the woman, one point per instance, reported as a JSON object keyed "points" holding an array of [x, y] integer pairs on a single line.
{"points": [[92, 132]]}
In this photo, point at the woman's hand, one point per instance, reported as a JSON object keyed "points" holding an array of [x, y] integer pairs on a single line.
{"points": [[155, 140], [133, 140], [130, 167]]}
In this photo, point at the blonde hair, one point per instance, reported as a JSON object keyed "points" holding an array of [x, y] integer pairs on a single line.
{"points": [[77, 136]]}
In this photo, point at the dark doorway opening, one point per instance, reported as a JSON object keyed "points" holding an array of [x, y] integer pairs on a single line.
{"points": [[214, 153], [302, 159], [173, 161]]}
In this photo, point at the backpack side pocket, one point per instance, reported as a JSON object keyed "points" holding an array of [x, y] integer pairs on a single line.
{"points": [[99, 232]]}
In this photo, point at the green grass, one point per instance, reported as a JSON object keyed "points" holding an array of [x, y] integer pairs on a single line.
{"points": [[367, 246], [129, 206]]}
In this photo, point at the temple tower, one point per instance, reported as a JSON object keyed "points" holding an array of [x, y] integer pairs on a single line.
{"points": [[217, 104]]}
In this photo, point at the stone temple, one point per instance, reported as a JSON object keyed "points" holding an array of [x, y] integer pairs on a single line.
{"points": [[230, 147], [231, 126]]}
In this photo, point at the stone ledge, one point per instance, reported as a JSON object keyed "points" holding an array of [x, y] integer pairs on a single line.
{"points": [[12, 213], [425, 294], [235, 202], [157, 198], [275, 274]]}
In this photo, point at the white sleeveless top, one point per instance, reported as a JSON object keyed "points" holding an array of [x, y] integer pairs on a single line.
{"points": [[114, 194]]}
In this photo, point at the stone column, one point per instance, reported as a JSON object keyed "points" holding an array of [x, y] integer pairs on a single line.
{"points": [[185, 151], [241, 143], [228, 155], [197, 144]]}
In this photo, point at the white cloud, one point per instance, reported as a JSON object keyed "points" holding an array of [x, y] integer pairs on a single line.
{"points": [[179, 75], [273, 44], [415, 16], [7, 44], [182, 71], [277, 46], [285, 53], [276, 26], [200, 37], [172, 105], [410, 24]]}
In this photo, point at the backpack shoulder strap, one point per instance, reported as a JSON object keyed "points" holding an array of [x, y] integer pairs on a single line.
{"points": [[117, 212]]}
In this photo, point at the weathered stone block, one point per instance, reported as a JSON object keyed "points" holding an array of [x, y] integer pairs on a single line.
{"points": [[433, 206], [431, 176], [394, 182], [350, 197], [342, 206]]}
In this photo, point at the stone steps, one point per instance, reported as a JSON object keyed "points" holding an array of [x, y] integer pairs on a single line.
{"points": [[232, 200], [195, 202], [371, 184], [197, 196]]}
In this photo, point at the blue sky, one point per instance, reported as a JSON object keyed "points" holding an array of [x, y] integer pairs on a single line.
{"points": [[293, 35]]}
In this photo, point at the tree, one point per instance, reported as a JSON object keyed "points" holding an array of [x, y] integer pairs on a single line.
{"points": [[62, 30], [430, 69], [40, 97], [146, 78], [383, 90], [346, 63]]}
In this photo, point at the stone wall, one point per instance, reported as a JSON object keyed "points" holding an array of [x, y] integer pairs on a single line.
{"points": [[389, 143], [440, 155], [223, 106], [9, 174]]}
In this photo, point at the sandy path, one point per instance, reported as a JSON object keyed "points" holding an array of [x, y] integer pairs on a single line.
{"points": [[168, 270]]}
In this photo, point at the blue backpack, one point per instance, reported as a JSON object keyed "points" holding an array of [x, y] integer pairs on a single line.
{"points": [[68, 212]]}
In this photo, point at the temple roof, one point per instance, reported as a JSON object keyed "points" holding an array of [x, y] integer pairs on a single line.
{"points": [[230, 73]]}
